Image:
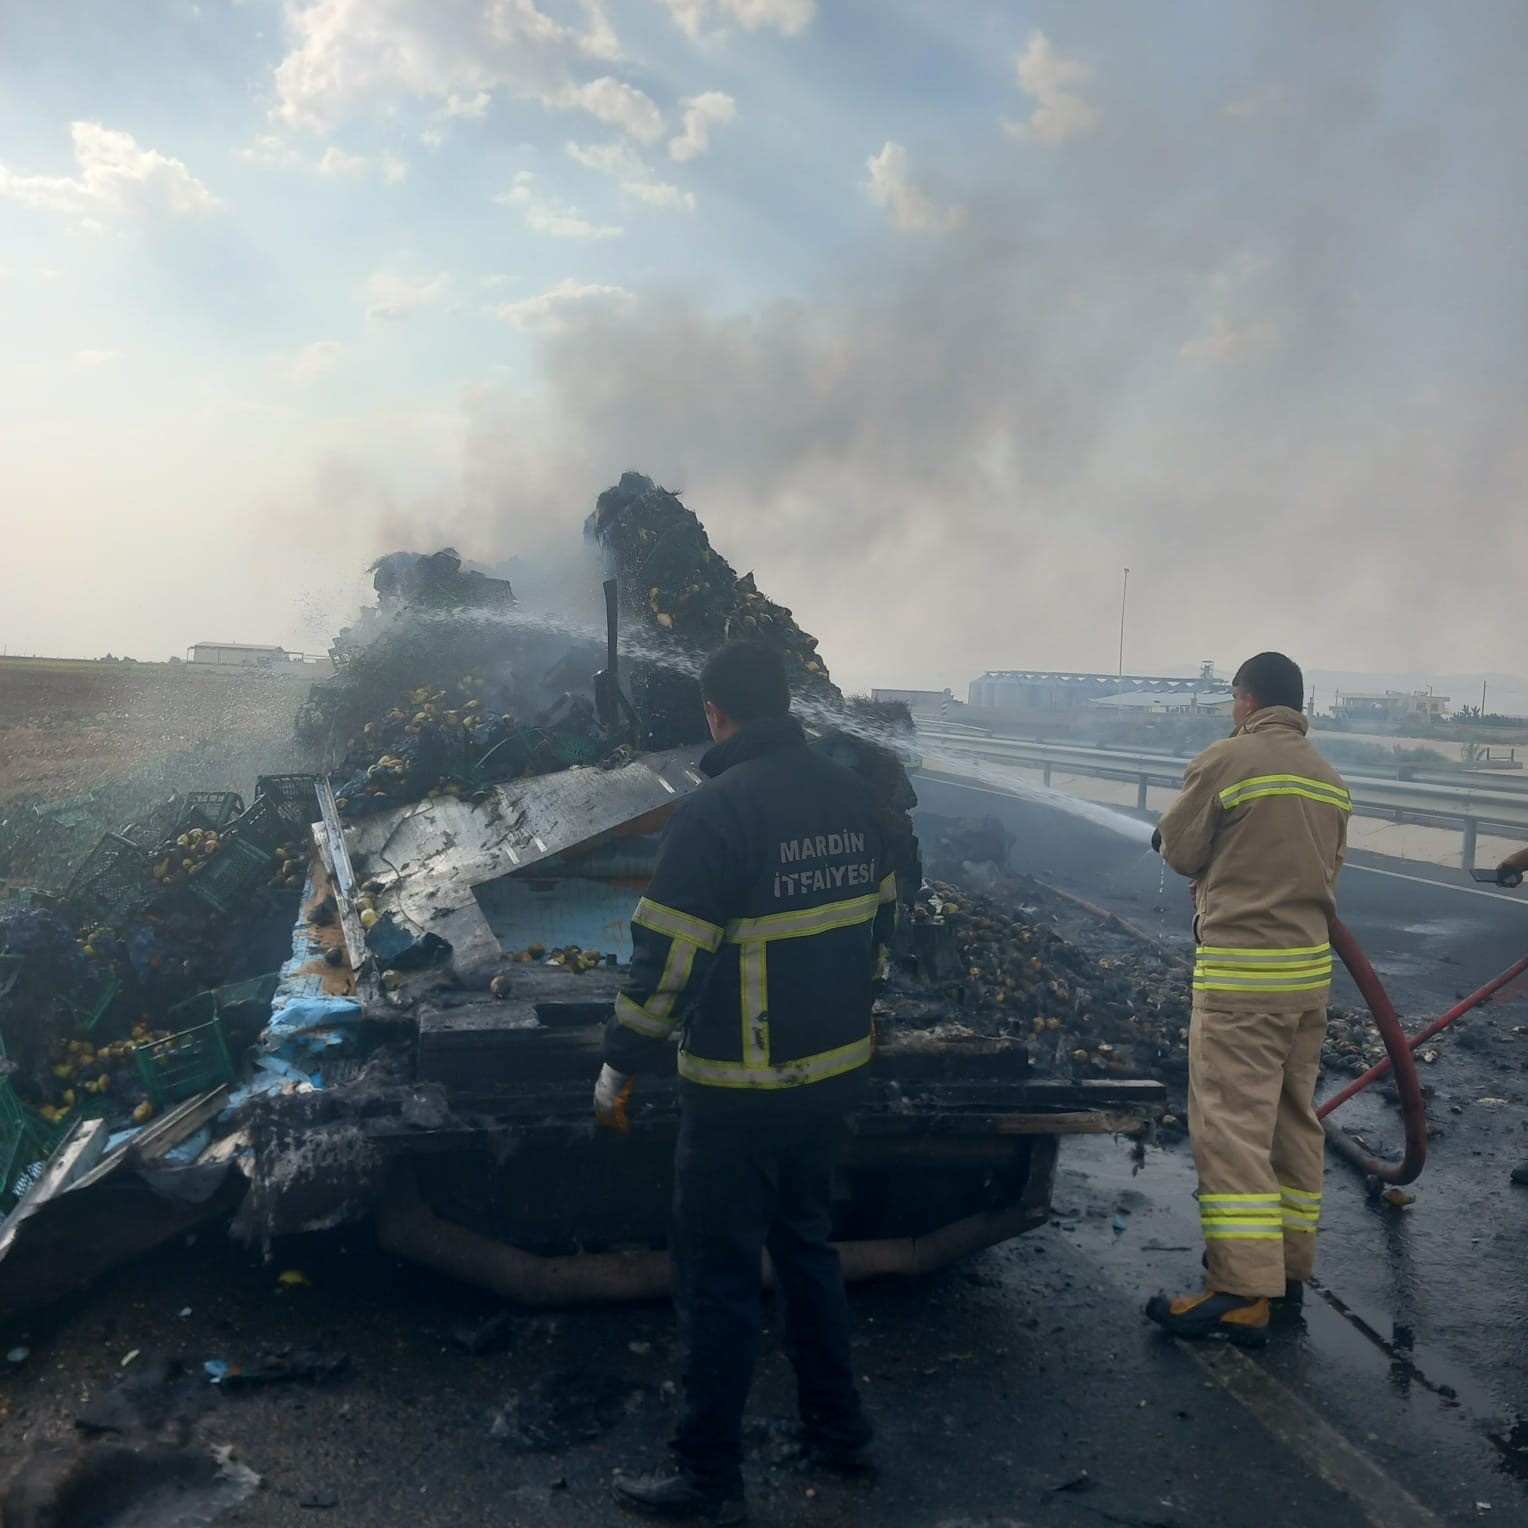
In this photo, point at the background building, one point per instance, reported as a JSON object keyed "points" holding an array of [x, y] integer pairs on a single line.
{"points": [[242, 655], [919, 702], [1033, 690], [1413, 707], [1216, 702]]}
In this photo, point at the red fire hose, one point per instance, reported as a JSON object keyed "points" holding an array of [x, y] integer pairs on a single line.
{"points": [[1413, 1107], [1399, 1048]]}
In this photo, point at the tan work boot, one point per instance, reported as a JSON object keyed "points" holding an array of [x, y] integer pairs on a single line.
{"points": [[1237, 1318]]}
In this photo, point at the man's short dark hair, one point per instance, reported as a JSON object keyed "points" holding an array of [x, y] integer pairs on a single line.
{"points": [[746, 681], [1273, 679]]}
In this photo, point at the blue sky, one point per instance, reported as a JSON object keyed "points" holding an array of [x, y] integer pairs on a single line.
{"points": [[939, 314]]}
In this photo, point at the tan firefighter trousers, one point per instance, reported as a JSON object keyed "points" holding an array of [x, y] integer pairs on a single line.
{"points": [[1257, 1143]]}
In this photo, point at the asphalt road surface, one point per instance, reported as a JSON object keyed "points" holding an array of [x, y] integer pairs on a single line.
{"points": [[1024, 1388], [1415, 1354]]}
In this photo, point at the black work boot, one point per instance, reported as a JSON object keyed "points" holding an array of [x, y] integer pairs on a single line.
{"points": [[1520, 1173], [680, 1497], [1291, 1302], [1237, 1318], [846, 1458], [1282, 1307]]}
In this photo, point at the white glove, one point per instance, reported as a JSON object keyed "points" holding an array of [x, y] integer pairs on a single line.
{"points": [[611, 1094]]}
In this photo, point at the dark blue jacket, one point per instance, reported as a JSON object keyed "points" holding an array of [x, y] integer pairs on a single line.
{"points": [[762, 932]]}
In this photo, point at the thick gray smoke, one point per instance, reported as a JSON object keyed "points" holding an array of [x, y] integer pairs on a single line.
{"points": [[1257, 335]]}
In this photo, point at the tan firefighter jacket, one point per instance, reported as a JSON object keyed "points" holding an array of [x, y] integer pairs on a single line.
{"points": [[1262, 827]]}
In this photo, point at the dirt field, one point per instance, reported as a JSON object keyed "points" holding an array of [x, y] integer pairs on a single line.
{"points": [[67, 727]]}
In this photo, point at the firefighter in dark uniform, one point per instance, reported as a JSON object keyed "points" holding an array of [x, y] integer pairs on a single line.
{"points": [[760, 938]]}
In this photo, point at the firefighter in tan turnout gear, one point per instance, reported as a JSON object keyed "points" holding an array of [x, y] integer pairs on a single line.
{"points": [[1261, 829]]}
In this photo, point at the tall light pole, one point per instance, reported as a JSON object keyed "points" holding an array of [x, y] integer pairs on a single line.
{"points": [[1124, 595]]}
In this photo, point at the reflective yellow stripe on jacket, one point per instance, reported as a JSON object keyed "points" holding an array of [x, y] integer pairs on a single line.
{"points": [[753, 936], [688, 935], [805, 921], [677, 925], [1220, 969], [729, 1074], [1260, 786]]}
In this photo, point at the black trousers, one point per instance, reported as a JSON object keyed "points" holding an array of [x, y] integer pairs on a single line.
{"points": [[739, 1189]]}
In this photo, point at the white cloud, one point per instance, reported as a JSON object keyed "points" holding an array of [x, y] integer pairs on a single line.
{"points": [[1256, 104], [336, 162], [474, 107], [553, 310], [498, 279], [661, 194], [788, 17], [549, 215], [432, 137], [393, 298], [1046, 77], [1225, 346], [701, 113], [313, 361], [91, 359], [618, 105], [115, 176], [630, 171], [343, 54], [890, 186], [272, 152]]}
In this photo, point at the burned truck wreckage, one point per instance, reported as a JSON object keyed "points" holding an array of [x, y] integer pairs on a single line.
{"points": [[377, 991]]}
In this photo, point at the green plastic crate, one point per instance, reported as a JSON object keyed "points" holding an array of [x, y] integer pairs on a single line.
{"points": [[193, 1012], [90, 1010], [259, 992], [262, 825], [110, 883], [507, 759], [569, 748], [19, 1145], [232, 874], [236, 1001], [48, 1138], [185, 1064], [295, 798], [212, 810]]}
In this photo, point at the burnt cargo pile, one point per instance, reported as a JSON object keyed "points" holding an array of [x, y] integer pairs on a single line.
{"points": [[441, 690], [137, 982], [288, 987], [995, 963], [690, 600], [444, 689], [1095, 1001]]}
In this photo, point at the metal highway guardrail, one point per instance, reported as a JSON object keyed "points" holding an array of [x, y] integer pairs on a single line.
{"points": [[1487, 780], [1468, 807]]}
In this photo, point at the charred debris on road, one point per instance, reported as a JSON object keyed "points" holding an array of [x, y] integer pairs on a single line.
{"points": [[376, 990]]}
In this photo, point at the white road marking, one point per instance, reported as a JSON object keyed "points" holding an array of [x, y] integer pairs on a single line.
{"points": [[1314, 1441], [1422, 880]]}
